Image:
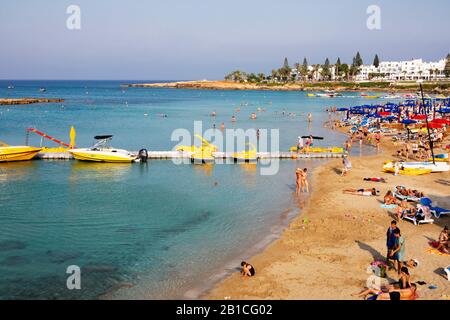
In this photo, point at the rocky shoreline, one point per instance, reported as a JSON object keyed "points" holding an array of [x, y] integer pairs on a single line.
{"points": [[4, 101], [229, 85]]}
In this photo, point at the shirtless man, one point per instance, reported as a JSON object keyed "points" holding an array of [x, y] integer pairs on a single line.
{"points": [[393, 294]]}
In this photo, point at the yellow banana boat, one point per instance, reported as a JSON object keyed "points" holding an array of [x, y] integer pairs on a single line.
{"points": [[319, 150], [18, 153]]}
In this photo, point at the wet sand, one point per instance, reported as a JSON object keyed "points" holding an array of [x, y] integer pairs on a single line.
{"points": [[325, 251]]}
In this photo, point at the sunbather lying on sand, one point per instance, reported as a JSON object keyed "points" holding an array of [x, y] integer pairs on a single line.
{"points": [[392, 294], [362, 192]]}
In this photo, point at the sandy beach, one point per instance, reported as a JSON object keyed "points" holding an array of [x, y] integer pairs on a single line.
{"points": [[326, 250]]}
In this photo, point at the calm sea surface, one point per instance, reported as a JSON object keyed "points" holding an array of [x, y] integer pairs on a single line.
{"points": [[155, 230]]}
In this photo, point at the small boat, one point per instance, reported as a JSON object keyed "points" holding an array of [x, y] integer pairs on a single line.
{"points": [[372, 97], [202, 154], [101, 152], [443, 157], [319, 149], [10, 87], [417, 167], [310, 95], [18, 153], [42, 89]]}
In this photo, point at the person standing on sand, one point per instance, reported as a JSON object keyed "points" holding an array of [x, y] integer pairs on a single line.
{"points": [[390, 240], [398, 253], [347, 165], [299, 180]]}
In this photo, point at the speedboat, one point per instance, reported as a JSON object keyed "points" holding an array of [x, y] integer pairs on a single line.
{"points": [[18, 153], [102, 152]]}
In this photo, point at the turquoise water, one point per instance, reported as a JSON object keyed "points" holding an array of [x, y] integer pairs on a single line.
{"points": [[155, 230]]}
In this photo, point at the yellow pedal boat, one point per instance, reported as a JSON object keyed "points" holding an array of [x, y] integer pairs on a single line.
{"points": [[245, 156], [18, 153]]}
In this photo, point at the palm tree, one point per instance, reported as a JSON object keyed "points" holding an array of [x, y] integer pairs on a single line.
{"points": [[431, 73]]}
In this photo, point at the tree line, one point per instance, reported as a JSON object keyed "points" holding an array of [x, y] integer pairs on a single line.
{"points": [[314, 72]]}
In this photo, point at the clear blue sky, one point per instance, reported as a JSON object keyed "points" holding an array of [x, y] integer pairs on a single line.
{"points": [[197, 39]]}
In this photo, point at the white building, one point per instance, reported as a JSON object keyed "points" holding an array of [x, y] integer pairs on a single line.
{"points": [[403, 70]]}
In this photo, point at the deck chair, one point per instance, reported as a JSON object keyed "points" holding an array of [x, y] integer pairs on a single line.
{"points": [[418, 221], [438, 212], [402, 197]]}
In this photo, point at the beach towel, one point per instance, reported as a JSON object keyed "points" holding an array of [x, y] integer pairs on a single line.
{"points": [[389, 206], [436, 252]]}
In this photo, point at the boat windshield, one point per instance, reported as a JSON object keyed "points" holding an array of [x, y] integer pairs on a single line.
{"points": [[102, 143]]}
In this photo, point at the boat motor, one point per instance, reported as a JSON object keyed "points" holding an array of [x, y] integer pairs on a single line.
{"points": [[143, 155]]}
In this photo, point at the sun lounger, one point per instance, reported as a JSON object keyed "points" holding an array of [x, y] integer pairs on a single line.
{"points": [[447, 271], [415, 219], [438, 212], [402, 197], [417, 222]]}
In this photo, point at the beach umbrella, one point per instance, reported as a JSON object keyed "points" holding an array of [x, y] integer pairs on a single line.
{"points": [[444, 110], [442, 121], [384, 114], [419, 117], [425, 201], [434, 125], [408, 121], [342, 109]]}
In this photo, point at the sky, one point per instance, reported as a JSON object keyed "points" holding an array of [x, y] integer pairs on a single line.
{"points": [[205, 39]]}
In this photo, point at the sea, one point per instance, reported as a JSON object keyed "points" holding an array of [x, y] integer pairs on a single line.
{"points": [[155, 230]]}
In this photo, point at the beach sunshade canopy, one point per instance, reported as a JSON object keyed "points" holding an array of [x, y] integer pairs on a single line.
{"points": [[434, 125], [443, 121], [419, 117]]}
